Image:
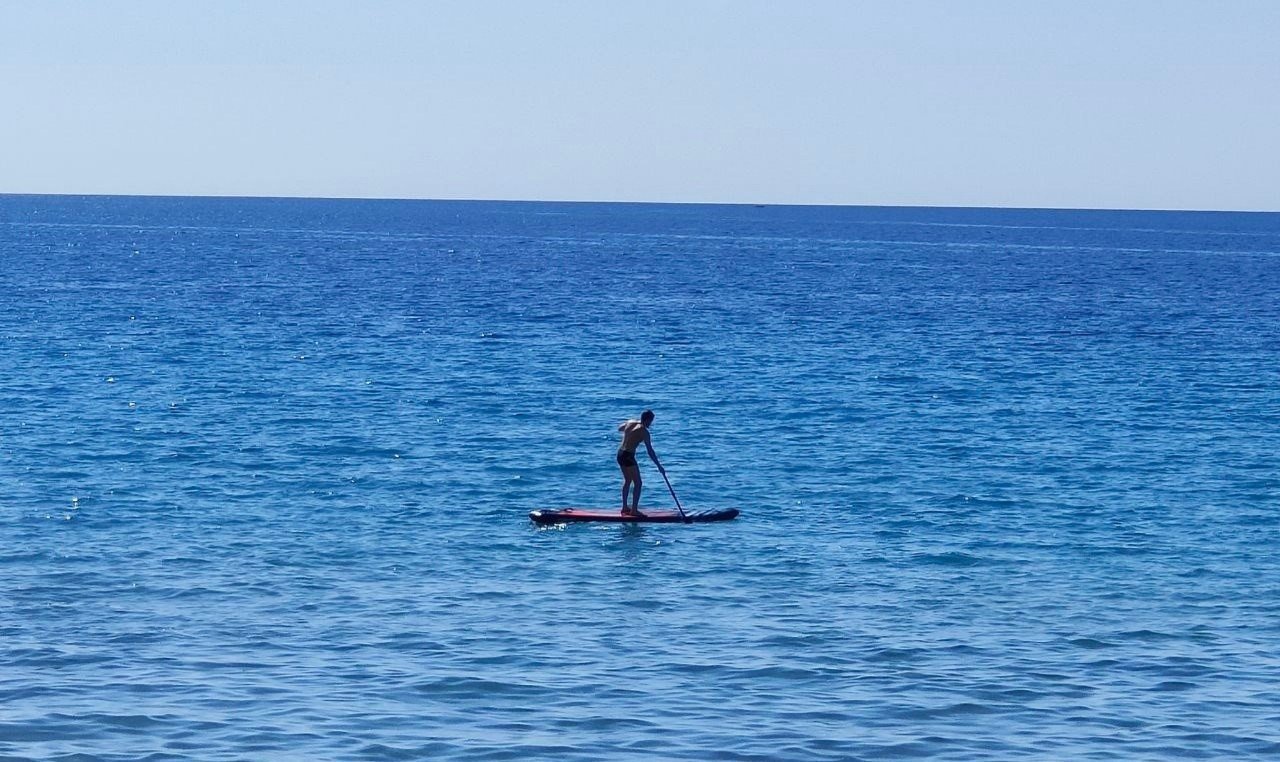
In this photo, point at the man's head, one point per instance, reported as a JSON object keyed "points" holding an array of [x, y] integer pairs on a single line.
{"points": [[646, 417]]}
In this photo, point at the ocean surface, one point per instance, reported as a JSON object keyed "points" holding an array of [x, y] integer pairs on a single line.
{"points": [[1010, 482]]}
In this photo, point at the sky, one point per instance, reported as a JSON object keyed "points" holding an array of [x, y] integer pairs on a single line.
{"points": [[1162, 104]]}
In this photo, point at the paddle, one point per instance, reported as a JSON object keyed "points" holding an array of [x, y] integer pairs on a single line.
{"points": [[673, 496]]}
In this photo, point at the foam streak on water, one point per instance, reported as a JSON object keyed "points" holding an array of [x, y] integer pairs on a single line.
{"points": [[1009, 480]]}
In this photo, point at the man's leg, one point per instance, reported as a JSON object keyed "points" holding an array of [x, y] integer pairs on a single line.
{"points": [[630, 476], [635, 497]]}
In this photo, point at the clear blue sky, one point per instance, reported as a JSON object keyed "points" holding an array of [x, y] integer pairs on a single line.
{"points": [[1168, 104]]}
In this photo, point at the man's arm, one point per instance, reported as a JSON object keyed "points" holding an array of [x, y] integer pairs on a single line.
{"points": [[653, 456]]}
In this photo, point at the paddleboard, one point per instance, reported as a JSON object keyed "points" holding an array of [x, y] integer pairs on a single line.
{"points": [[566, 515]]}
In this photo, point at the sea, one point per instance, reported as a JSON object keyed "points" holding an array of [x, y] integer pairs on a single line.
{"points": [[1009, 481]]}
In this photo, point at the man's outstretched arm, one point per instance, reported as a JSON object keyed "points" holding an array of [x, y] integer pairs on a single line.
{"points": [[653, 456]]}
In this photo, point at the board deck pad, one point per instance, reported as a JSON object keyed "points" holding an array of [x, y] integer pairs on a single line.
{"points": [[567, 515]]}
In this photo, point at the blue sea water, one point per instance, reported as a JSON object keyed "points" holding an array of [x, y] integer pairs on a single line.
{"points": [[1010, 482]]}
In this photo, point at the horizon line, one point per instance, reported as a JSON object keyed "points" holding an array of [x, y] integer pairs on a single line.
{"points": [[755, 204]]}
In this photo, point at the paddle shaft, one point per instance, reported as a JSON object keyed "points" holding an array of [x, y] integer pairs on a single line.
{"points": [[673, 495]]}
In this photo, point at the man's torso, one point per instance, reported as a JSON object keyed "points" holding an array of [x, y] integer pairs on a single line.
{"points": [[632, 435]]}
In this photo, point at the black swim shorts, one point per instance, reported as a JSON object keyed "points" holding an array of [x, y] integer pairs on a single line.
{"points": [[626, 458]]}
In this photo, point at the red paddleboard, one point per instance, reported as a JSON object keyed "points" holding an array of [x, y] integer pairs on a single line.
{"points": [[567, 515]]}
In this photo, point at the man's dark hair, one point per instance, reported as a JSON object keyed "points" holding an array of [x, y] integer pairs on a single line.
{"points": [[646, 416]]}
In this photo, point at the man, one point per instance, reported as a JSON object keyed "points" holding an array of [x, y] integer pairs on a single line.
{"points": [[633, 433]]}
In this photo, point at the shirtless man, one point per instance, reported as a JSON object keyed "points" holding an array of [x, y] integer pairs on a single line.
{"points": [[633, 433]]}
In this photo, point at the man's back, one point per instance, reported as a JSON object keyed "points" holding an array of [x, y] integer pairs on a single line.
{"points": [[633, 433]]}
